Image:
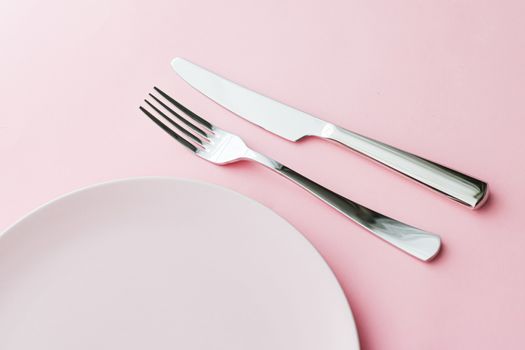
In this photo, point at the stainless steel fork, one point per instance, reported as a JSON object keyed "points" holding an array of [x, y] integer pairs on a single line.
{"points": [[221, 147]]}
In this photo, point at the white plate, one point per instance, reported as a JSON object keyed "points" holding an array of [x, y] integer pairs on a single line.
{"points": [[158, 263]]}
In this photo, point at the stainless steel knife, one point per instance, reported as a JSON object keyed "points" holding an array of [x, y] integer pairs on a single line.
{"points": [[293, 125]]}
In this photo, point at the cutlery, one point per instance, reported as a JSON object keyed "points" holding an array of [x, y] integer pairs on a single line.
{"points": [[221, 147], [293, 125]]}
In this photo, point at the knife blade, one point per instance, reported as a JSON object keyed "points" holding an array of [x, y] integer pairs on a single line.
{"points": [[293, 124]]}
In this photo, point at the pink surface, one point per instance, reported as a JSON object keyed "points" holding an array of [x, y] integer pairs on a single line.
{"points": [[444, 79]]}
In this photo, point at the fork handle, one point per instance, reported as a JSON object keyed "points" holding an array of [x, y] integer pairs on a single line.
{"points": [[457, 186], [416, 242]]}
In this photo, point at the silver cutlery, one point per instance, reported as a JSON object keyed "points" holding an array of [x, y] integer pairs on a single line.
{"points": [[293, 125], [221, 147]]}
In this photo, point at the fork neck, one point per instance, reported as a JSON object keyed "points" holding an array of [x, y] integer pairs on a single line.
{"points": [[262, 159]]}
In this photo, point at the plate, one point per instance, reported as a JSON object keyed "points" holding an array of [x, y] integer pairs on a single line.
{"points": [[161, 263]]}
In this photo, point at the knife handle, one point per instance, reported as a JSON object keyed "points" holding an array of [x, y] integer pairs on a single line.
{"points": [[418, 243], [457, 186]]}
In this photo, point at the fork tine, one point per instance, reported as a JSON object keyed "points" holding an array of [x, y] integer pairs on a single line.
{"points": [[184, 109], [164, 127], [172, 122], [178, 116]]}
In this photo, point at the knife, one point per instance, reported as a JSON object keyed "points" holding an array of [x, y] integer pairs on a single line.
{"points": [[293, 125]]}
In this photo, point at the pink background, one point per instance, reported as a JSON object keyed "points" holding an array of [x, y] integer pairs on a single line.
{"points": [[444, 79]]}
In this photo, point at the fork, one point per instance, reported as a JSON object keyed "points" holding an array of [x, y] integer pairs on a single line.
{"points": [[221, 147]]}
